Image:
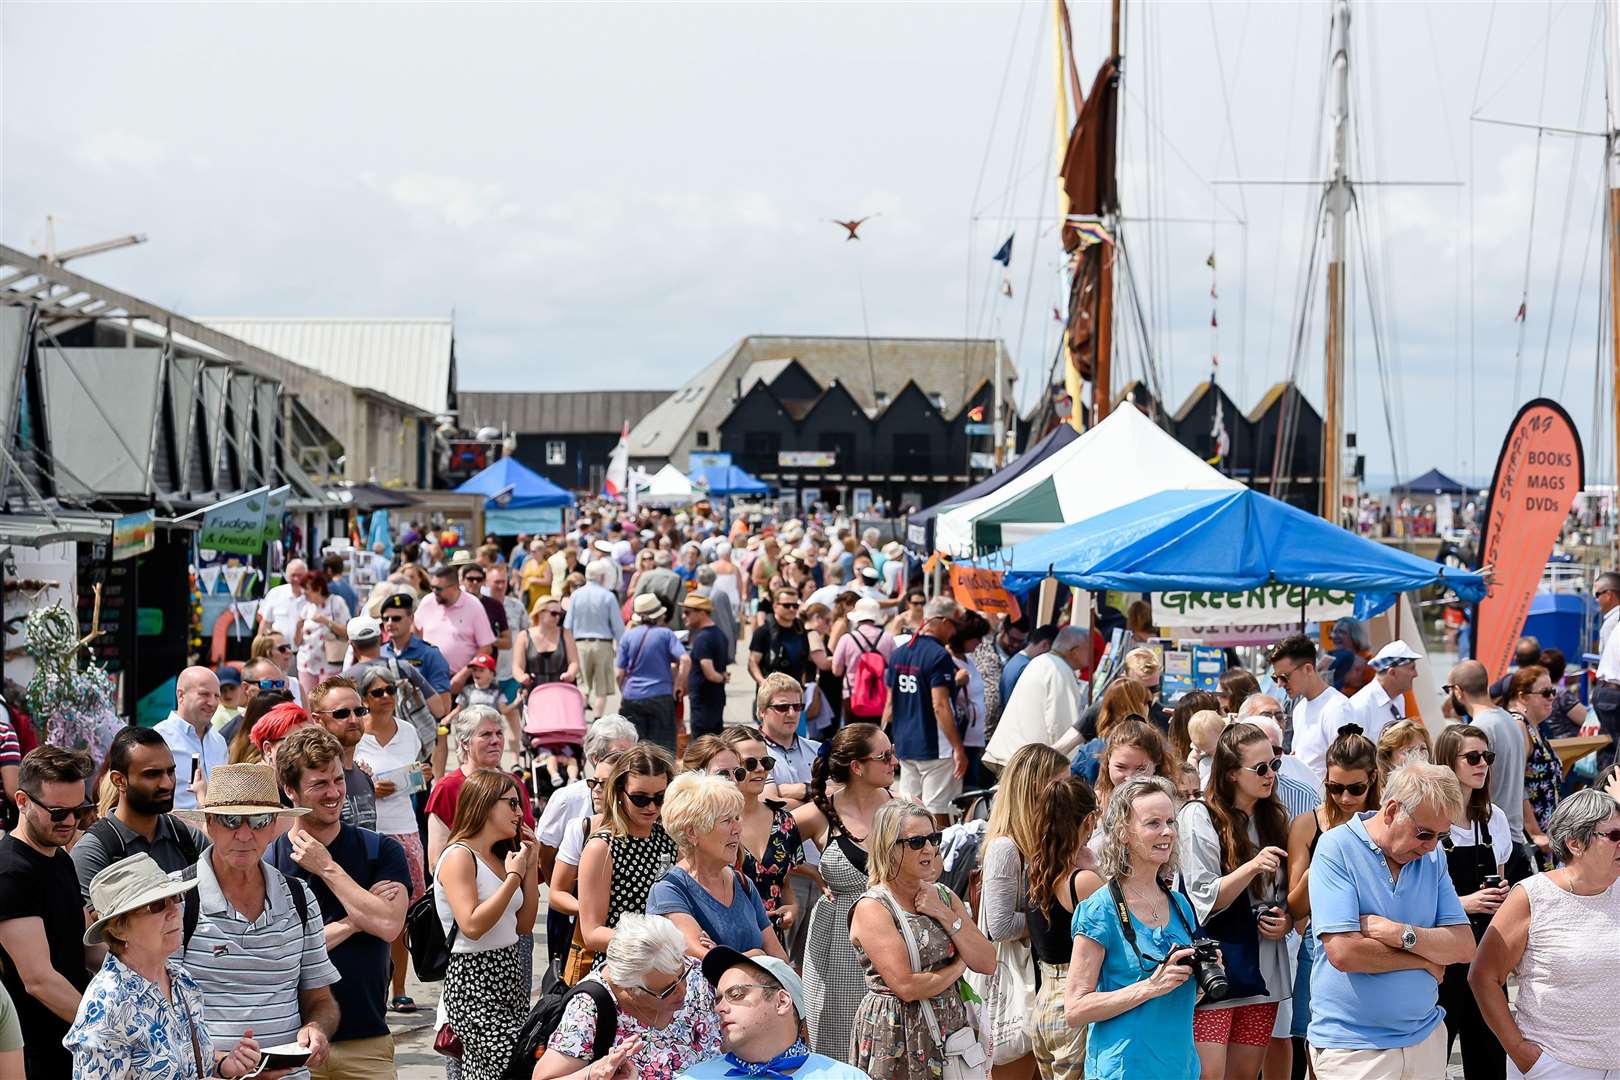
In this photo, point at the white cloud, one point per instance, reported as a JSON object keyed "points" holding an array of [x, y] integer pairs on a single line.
{"points": [[120, 149], [454, 200]]}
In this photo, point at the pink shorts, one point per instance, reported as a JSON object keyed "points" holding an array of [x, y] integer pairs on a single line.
{"points": [[1245, 1025], [415, 861]]}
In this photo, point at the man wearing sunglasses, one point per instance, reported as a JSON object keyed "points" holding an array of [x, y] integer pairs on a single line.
{"points": [[44, 964], [1319, 709], [1389, 922], [1469, 686], [781, 645], [1383, 700], [336, 704], [455, 623]]}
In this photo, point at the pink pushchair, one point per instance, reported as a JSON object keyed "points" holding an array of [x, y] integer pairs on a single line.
{"points": [[553, 737]]}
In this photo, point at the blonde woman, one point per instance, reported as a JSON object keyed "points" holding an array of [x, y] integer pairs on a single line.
{"points": [[545, 652], [620, 863], [907, 911], [709, 901], [1402, 743], [1010, 842]]}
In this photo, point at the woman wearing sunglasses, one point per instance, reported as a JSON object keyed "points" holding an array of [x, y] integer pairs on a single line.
{"points": [[1557, 932], [915, 939], [621, 861], [545, 652], [703, 894], [1477, 850], [1232, 848], [1129, 981], [771, 843], [1530, 695], [488, 884]]}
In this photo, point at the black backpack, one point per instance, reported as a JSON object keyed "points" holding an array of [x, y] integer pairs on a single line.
{"points": [[426, 940], [112, 841], [547, 1014]]}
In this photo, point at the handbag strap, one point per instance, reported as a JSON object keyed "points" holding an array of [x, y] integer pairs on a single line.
{"points": [[882, 893], [191, 1027]]}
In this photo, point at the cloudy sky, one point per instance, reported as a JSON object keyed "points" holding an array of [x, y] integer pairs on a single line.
{"points": [[609, 195]]}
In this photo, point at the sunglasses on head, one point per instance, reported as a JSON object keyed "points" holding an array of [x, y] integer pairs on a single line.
{"points": [[1335, 788], [641, 802], [232, 822], [58, 814], [1474, 757], [1265, 768], [916, 843], [357, 712]]}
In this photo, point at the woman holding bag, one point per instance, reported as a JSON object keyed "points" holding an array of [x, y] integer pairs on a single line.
{"points": [[1010, 843], [1065, 815], [915, 940]]}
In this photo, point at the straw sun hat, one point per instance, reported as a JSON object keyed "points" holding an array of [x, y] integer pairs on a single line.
{"points": [[129, 885], [245, 789]]}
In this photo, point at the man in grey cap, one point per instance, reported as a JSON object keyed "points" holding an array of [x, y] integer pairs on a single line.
{"points": [[1383, 700], [415, 701], [760, 1003]]}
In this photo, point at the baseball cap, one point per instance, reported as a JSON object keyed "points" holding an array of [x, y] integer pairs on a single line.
{"points": [[363, 630], [228, 675], [1395, 652], [485, 661], [722, 959]]}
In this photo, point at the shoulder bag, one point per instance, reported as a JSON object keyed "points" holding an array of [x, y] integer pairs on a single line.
{"points": [[964, 1057], [1009, 999]]}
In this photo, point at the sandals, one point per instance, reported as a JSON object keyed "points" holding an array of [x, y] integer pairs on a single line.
{"points": [[402, 1004]]}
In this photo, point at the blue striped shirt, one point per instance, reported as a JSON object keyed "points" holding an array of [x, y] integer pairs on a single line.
{"points": [[1297, 798]]}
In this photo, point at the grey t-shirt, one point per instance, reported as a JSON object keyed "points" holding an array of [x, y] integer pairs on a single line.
{"points": [[1507, 771]]}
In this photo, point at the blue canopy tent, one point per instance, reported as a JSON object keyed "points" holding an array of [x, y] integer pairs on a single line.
{"points": [[920, 526], [725, 481], [1222, 541], [1433, 482], [519, 499]]}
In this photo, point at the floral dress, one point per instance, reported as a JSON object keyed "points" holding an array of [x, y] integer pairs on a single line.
{"points": [[784, 849], [312, 649], [891, 1040], [127, 1028], [692, 1036], [1543, 774]]}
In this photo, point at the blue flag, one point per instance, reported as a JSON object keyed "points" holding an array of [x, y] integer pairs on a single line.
{"points": [[1004, 256]]}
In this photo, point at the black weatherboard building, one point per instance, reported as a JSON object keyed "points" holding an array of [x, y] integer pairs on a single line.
{"points": [[837, 420], [566, 436]]}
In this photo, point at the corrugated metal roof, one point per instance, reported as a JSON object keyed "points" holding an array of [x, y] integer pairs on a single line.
{"points": [[408, 359], [560, 413], [874, 371]]}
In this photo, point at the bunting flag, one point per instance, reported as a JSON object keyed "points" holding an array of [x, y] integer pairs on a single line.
{"points": [[1057, 316], [1212, 319], [1004, 254], [207, 579], [233, 579], [245, 610], [1210, 262], [1223, 441], [616, 484], [1521, 313], [1006, 287], [1092, 232], [1213, 295]]}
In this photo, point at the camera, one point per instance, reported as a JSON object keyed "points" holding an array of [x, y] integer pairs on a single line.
{"points": [[1268, 906], [1492, 881], [1207, 970]]}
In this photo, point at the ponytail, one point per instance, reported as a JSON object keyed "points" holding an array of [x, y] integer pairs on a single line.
{"points": [[851, 744]]}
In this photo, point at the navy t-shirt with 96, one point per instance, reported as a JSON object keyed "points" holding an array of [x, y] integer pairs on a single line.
{"points": [[914, 670], [361, 959], [709, 644]]}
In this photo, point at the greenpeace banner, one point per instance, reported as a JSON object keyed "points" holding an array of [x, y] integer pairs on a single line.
{"points": [[1539, 473], [1269, 604]]}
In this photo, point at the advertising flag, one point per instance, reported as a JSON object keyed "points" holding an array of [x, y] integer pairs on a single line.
{"points": [[1540, 471]]}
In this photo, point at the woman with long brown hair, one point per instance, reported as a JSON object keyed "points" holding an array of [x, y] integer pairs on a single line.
{"points": [[860, 760], [1233, 855], [1125, 699], [1064, 819], [1009, 843], [620, 863], [488, 885]]}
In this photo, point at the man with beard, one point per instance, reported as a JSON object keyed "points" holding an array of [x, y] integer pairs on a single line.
{"points": [[141, 767], [335, 704], [44, 963]]}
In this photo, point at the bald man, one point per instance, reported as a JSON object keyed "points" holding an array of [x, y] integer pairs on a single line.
{"points": [[189, 731]]}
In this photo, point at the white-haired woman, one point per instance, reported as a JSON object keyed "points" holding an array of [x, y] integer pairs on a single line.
{"points": [[479, 736], [915, 939], [1128, 976], [1558, 932], [665, 1006], [708, 901], [141, 1016]]}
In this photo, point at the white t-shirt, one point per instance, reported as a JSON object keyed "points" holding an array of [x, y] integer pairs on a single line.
{"points": [[1501, 838], [573, 843], [280, 608], [395, 816], [1316, 725], [562, 809]]}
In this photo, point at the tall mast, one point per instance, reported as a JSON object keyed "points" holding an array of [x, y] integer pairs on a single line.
{"points": [[1102, 372], [1611, 48], [1337, 207]]}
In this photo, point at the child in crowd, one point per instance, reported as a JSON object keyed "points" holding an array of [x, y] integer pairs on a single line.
{"points": [[1204, 731], [482, 689]]}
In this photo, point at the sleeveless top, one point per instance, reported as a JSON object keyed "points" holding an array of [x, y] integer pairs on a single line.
{"points": [[1568, 967], [638, 861], [544, 667], [499, 936], [1049, 938]]}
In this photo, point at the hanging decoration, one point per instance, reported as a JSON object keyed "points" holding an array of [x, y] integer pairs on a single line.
{"points": [[74, 703]]}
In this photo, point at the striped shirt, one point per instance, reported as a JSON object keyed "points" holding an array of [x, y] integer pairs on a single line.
{"points": [[1297, 798], [250, 973]]}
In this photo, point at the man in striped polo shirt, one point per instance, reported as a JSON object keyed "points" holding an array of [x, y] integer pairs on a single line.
{"points": [[258, 950]]}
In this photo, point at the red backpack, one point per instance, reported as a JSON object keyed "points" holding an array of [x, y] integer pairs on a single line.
{"points": [[868, 692]]}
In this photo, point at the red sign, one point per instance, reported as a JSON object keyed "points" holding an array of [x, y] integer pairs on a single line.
{"points": [[1538, 475], [981, 591]]}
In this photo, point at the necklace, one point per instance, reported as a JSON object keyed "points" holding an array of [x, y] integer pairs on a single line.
{"points": [[1150, 905]]}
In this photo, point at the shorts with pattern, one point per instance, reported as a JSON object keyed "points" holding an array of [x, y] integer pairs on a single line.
{"points": [[1245, 1025], [415, 861], [596, 668], [1060, 1050]]}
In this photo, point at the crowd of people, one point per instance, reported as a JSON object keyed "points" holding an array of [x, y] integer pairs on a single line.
{"points": [[1275, 879]]}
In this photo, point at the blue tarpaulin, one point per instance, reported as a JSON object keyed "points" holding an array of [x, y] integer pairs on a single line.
{"points": [[511, 485], [1222, 541], [725, 480]]}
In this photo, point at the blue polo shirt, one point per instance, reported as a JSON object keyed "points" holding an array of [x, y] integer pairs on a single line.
{"points": [[913, 671], [1349, 878], [425, 658]]}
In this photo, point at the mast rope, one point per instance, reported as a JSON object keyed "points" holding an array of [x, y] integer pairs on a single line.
{"points": [[1523, 315]]}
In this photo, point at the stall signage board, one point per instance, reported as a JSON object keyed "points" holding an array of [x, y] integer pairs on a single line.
{"points": [[981, 591], [1273, 604], [807, 459], [235, 525], [711, 460], [1196, 667], [978, 429], [134, 534], [275, 506]]}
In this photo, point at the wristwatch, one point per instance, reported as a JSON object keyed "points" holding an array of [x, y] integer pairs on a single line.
{"points": [[1408, 938], [957, 925]]}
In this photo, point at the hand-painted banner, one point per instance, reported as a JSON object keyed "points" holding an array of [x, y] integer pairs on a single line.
{"points": [[235, 525], [981, 591], [1538, 475]]}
